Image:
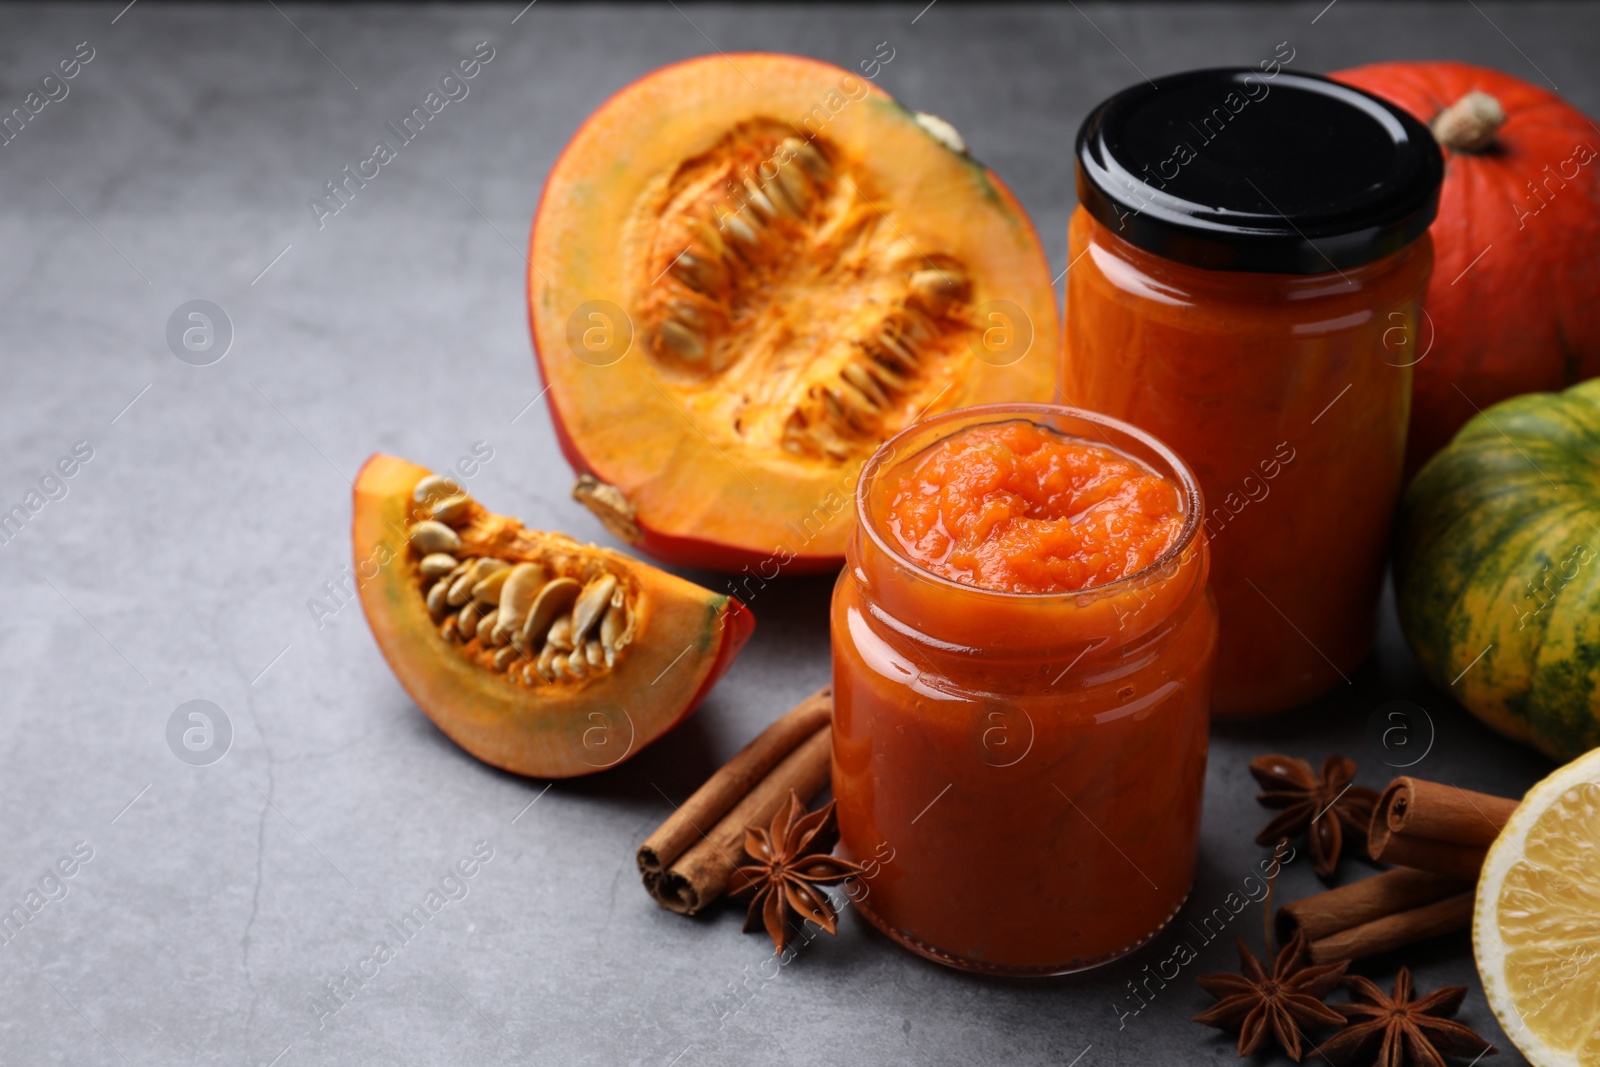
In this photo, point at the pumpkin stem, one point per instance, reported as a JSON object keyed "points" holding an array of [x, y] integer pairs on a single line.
{"points": [[1469, 124]]}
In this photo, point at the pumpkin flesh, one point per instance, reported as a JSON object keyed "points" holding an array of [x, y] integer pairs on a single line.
{"points": [[737, 293]]}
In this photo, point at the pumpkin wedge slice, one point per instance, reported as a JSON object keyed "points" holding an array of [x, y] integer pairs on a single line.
{"points": [[749, 271], [535, 653]]}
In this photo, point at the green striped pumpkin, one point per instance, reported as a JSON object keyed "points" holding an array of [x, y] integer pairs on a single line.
{"points": [[1497, 568]]}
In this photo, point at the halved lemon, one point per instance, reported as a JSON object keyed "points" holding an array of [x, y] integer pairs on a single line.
{"points": [[1536, 928]]}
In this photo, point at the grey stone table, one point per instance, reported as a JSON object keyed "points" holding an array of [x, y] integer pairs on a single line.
{"points": [[211, 907]]}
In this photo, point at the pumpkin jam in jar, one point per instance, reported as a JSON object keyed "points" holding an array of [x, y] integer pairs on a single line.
{"points": [[1022, 649], [1248, 257]]}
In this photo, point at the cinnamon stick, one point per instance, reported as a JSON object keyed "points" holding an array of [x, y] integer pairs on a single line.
{"points": [[1442, 812], [1426, 854], [701, 874], [735, 780], [1437, 836], [1363, 902], [1395, 931]]}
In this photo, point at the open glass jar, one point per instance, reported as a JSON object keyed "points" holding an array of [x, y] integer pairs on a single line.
{"points": [[1022, 771], [1248, 259]]}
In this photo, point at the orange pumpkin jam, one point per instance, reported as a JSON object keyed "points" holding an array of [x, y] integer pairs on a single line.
{"points": [[1018, 508]]}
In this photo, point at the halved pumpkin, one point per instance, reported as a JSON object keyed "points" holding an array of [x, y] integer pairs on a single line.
{"points": [[533, 652], [746, 273]]}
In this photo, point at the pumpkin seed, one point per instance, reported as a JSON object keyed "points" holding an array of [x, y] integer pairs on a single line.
{"points": [[741, 230], [793, 186], [574, 665], [815, 163], [486, 624], [437, 565], [898, 350], [707, 235], [689, 315], [759, 200], [436, 604], [612, 627], [859, 405], [938, 285], [461, 588], [554, 599], [516, 597], [430, 536], [487, 591], [467, 621], [697, 273], [448, 630], [847, 406], [558, 666], [560, 634], [546, 663], [682, 340], [885, 376], [504, 658], [434, 487], [453, 510], [450, 579], [866, 384], [610, 505], [594, 655], [591, 602], [778, 193]]}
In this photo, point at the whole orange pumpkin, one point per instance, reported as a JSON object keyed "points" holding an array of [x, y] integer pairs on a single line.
{"points": [[1514, 304]]}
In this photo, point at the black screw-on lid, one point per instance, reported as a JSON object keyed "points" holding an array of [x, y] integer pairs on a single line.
{"points": [[1234, 169]]}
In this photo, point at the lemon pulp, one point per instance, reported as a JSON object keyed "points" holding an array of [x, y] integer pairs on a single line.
{"points": [[1549, 922]]}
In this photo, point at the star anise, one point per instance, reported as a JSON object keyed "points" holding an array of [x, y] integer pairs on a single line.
{"points": [[1322, 806], [792, 859], [1401, 1030], [1281, 1006]]}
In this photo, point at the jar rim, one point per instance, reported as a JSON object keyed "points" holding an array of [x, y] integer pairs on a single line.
{"points": [[1188, 486]]}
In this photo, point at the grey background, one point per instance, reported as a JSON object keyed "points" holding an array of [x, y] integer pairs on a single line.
{"points": [[220, 899]]}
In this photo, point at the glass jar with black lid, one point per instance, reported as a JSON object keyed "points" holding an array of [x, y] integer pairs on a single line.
{"points": [[1248, 259]]}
